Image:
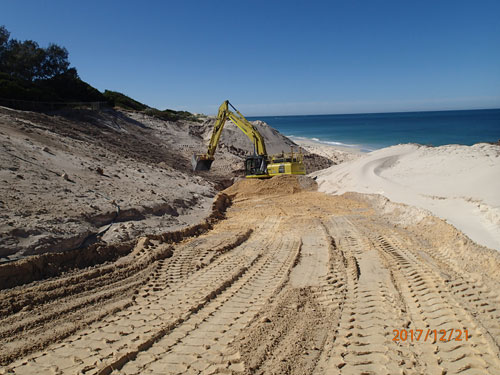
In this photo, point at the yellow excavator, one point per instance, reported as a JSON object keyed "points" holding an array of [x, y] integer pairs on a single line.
{"points": [[258, 165]]}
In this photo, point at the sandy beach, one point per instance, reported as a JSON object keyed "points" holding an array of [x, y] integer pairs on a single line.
{"points": [[338, 154], [457, 183]]}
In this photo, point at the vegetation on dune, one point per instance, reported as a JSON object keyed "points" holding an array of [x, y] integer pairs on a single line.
{"points": [[31, 73], [171, 115], [117, 99]]}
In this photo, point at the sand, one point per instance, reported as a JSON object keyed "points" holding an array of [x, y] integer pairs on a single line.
{"points": [[284, 281], [265, 277], [338, 154], [80, 176], [460, 184]]}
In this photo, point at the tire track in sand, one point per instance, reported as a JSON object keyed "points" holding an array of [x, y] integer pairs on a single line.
{"points": [[287, 335], [118, 337], [231, 300], [58, 308], [362, 343], [478, 297], [201, 343], [431, 306]]}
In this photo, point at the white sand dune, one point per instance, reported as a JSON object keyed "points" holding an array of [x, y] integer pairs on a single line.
{"points": [[460, 184]]}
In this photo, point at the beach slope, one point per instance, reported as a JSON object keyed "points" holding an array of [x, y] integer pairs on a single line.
{"points": [[457, 183]]}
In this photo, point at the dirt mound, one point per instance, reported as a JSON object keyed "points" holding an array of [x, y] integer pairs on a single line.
{"points": [[43, 266], [286, 184]]}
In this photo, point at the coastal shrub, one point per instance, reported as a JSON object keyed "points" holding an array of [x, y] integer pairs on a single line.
{"points": [[117, 99], [171, 115], [69, 87]]}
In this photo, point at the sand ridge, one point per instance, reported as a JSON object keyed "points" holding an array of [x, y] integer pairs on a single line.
{"points": [[77, 177]]}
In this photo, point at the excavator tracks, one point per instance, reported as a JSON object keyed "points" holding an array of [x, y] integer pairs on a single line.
{"points": [[301, 283]]}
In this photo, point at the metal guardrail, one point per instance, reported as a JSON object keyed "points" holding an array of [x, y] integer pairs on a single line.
{"points": [[27, 105]]}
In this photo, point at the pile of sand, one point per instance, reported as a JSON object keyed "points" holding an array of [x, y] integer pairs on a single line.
{"points": [[80, 176], [232, 136], [457, 183], [278, 185]]}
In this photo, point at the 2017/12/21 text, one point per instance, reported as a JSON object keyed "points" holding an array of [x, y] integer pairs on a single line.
{"points": [[428, 334]]}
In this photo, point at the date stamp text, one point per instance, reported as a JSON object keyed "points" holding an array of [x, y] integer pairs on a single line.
{"points": [[431, 335]]}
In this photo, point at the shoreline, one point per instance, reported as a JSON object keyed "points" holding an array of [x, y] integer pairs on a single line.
{"points": [[336, 145], [338, 154]]}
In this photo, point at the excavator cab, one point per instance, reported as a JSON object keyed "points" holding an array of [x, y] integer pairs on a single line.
{"points": [[256, 166]]}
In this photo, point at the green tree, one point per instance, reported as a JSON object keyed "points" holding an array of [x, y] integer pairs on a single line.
{"points": [[55, 62], [4, 37], [28, 61], [23, 60]]}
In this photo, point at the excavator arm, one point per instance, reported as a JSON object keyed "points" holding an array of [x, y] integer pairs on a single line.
{"points": [[204, 161], [250, 131]]}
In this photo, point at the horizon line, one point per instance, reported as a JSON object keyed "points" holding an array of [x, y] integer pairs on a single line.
{"points": [[377, 113]]}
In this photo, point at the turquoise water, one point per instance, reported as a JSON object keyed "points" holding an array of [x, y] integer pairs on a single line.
{"points": [[377, 130]]}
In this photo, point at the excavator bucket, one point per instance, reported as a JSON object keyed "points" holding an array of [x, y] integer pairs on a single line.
{"points": [[201, 162]]}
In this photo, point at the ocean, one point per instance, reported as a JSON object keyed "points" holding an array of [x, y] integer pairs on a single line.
{"points": [[369, 132]]}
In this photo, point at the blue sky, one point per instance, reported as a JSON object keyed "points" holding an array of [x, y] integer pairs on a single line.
{"points": [[277, 57]]}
